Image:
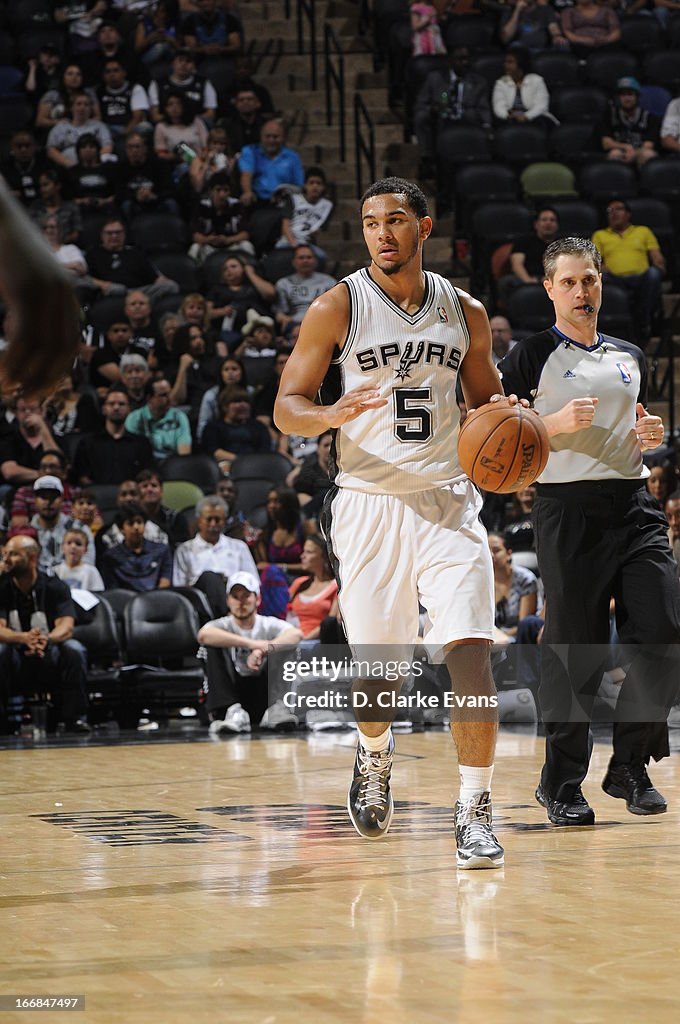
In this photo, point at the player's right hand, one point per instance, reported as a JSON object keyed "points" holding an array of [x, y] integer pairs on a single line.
{"points": [[352, 404], [575, 415]]}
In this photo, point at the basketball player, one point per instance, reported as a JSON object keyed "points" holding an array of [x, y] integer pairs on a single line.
{"points": [[42, 318], [599, 535], [386, 347]]}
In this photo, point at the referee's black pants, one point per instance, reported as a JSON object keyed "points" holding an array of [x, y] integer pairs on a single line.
{"points": [[597, 540]]}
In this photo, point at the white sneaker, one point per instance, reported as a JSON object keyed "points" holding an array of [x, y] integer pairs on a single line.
{"points": [[279, 717], [235, 720]]}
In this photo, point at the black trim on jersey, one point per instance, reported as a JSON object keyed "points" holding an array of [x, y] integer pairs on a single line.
{"points": [[566, 340], [410, 318], [339, 354], [331, 390], [461, 311], [522, 367], [325, 525]]}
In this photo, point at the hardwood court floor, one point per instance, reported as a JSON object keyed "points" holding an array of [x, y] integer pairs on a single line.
{"points": [[196, 882]]}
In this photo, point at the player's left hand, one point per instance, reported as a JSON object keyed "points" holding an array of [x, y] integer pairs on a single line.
{"points": [[511, 400], [649, 429]]}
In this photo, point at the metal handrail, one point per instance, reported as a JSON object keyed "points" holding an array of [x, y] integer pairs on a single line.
{"points": [[306, 12], [335, 76], [363, 148]]}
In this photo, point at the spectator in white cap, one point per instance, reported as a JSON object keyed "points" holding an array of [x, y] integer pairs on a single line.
{"points": [[51, 524], [237, 645], [259, 334]]}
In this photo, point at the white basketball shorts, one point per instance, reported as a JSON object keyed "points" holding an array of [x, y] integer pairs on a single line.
{"points": [[390, 552]]}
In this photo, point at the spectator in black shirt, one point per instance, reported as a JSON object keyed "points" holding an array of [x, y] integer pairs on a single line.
{"points": [[196, 372], [116, 267], [110, 46], [200, 98], [526, 258], [244, 120], [91, 183], [23, 167], [123, 104], [142, 180], [243, 80], [150, 498], [37, 649], [630, 135], [23, 444], [105, 363], [43, 71], [51, 204], [213, 32], [220, 222], [112, 455], [311, 480], [146, 333], [237, 433]]}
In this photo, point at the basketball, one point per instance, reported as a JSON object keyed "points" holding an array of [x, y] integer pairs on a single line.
{"points": [[503, 447]]}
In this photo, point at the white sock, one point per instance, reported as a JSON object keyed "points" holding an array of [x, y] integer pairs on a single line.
{"points": [[474, 781], [376, 743]]}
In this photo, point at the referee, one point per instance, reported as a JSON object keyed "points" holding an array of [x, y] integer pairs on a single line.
{"points": [[599, 535]]}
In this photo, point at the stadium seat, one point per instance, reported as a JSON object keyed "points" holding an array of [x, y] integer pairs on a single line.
{"points": [[264, 228], [181, 494], [602, 181], [180, 268], [580, 103], [489, 66], [501, 222], [547, 180], [118, 599], [481, 183], [198, 601], [605, 67], [639, 32], [105, 495], [15, 113], [160, 232], [472, 31], [102, 641], [211, 271], [462, 144], [575, 144], [614, 317], [530, 309], [577, 217], [655, 214], [662, 67], [201, 470], [558, 69], [276, 264], [252, 493], [160, 637], [661, 178], [272, 465], [521, 144]]}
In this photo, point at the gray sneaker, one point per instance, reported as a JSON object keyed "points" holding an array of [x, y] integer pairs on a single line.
{"points": [[279, 717], [369, 801], [476, 843], [235, 720]]}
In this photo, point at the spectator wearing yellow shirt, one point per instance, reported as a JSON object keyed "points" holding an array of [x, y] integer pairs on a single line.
{"points": [[633, 260]]}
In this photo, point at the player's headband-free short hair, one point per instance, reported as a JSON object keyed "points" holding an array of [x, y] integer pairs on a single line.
{"points": [[415, 197], [573, 246]]}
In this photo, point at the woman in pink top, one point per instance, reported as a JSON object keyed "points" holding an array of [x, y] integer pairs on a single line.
{"points": [[314, 596]]}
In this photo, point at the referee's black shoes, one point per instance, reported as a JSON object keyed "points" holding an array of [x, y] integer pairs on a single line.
{"points": [[576, 811], [630, 782]]}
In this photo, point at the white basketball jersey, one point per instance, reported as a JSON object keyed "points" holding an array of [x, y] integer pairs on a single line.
{"points": [[411, 443]]}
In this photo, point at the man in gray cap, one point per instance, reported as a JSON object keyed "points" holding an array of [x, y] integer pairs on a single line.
{"points": [[631, 134], [237, 646], [51, 524]]}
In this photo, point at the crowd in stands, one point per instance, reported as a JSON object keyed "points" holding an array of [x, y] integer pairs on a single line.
{"points": [[155, 163], [519, 104]]}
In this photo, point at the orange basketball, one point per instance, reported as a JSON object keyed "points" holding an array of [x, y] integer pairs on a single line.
{"points": [[503, 447]]}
